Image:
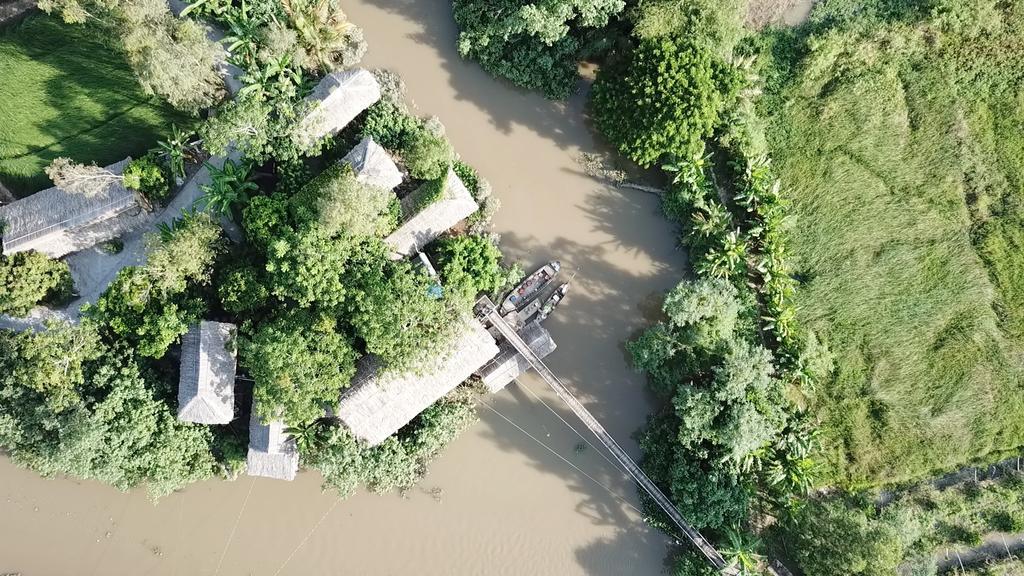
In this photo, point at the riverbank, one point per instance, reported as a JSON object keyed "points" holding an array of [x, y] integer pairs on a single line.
{"points": [[505, 505]]}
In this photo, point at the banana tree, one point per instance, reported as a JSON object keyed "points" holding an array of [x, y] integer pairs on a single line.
{"points": [[229, 186], [741, 552]]}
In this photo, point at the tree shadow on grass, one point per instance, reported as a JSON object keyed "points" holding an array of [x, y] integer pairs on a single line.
{"points": [[72, 95]]}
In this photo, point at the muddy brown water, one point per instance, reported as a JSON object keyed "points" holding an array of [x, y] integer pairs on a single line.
{"points": [[496, 502]]}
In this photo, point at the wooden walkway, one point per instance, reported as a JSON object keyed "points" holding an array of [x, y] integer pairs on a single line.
{"points": [[488, 311]]}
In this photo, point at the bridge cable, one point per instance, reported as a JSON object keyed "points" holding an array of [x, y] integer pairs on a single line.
{"points": [[611, 492], [615, 465]]}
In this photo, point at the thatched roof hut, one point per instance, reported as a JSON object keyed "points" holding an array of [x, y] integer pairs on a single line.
{"points": [[423, 224], [56, 222], [337, 99], [206, 386], [509, 364], [272, 451], [373, 165], [379, 403]]}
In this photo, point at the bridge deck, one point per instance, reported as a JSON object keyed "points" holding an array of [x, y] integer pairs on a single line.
{"points": [[488, 311]]}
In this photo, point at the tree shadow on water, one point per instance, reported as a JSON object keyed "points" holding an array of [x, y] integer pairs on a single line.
{"points": [[605, 496]]}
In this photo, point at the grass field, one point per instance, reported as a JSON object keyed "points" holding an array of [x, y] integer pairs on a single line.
{"points": [[65, 93], [901, 146]]}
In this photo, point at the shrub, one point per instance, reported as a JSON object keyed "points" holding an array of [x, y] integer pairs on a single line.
{"points": [[147, 177], [28, 278]]}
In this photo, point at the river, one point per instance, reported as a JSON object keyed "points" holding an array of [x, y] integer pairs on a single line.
{"points": [[497, 502]]}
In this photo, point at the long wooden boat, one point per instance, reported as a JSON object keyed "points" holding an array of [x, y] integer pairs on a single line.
{"points": [[530, 287]]}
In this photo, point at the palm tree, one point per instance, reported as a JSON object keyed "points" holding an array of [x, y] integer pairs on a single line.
{"points": [[322, 27]]}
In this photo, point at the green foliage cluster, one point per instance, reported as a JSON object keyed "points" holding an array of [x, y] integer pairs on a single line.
{"points": [[30, 278], [398, 462], [393, 313], [300, 364], [340, 204], [420, 144], [532, 44], [73, 406], [717, 24], [724, 436], [66, 93], [150, 306], [470, 264], [662, 99], [148, 177], [831, 539], [897, 130]]}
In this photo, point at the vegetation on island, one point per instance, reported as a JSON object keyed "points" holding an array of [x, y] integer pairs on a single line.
{"points": [[286, 243], [848, 192]]}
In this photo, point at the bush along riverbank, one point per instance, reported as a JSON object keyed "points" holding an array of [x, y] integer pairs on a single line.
{"points": [[733, 445], [303, 272]]}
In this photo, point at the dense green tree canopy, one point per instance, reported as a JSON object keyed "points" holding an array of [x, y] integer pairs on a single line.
{"points": [[149, 306], [532, 44], [661, 99], [300, 364], [342, 205], [393, 312], [470, 264], [830, 539]]}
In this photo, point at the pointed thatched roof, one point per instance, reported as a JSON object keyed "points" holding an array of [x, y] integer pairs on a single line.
{"points": [[509, 364], [337, 99], [373, 165], [56, 222], [379, 403], [429, 222], [272, 451], [206, 387]]}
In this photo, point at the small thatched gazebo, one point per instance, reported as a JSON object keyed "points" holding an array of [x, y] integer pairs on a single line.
{"points": [[421, 227], [379, 403], [337, 99], [373, 165], [509, 364], [206, 387], [272, 451], [56, 222]]}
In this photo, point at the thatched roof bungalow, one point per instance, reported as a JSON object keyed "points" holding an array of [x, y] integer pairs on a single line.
{"points": [[379, 403], [206, 386], [509, 364], [56, 222], [337, 99], [424, 223], [373, 165], [272, 451]]}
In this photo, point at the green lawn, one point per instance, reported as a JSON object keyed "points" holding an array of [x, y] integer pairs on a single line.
{"points": [[63, 92], [902, 151]]}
